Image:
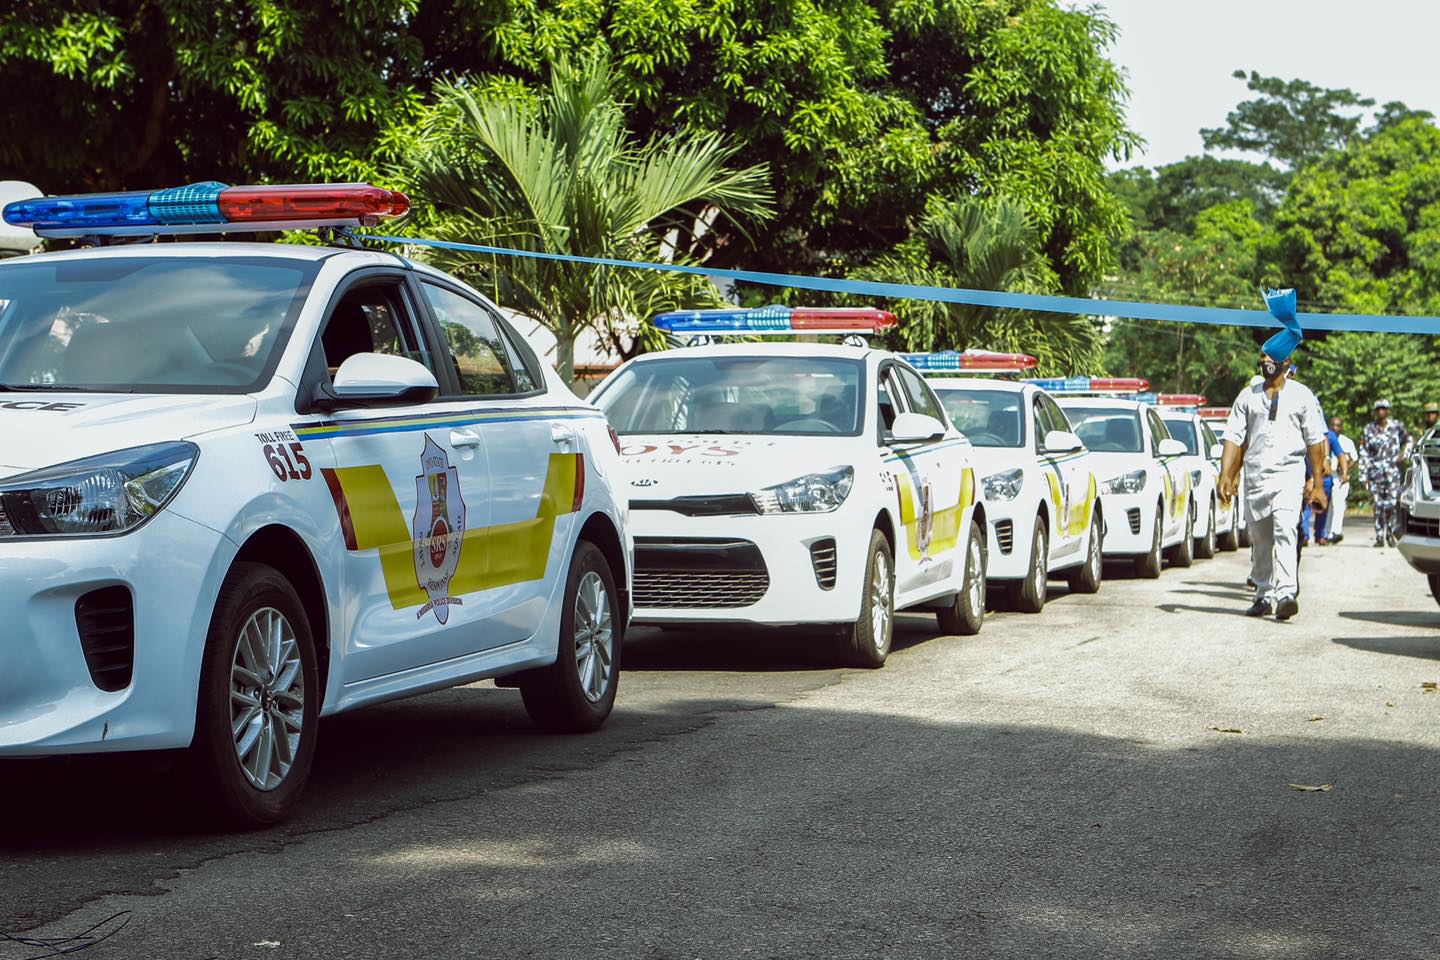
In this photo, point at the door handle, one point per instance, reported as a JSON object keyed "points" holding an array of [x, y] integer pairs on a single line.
{"points": [[464, 438], [562, 436]]}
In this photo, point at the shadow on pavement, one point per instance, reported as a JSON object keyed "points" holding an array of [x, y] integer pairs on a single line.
{"points": [[1426, 648], [790, 832], [1236, 611], [1395, 618]]}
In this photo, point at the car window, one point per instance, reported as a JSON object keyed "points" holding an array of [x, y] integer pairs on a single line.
{"points": [[988, 418], [1209, 436], [482, 358], [1184, 431], [921, 400], [1157, 430], [1106, 429], [371, 319], [885, 398], [1057, 416], [1044, 423]]}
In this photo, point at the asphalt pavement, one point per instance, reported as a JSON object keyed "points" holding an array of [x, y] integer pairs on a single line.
{"points": [[1116, 777]]}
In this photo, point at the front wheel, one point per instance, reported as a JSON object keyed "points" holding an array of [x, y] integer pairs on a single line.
{"points": [[966, 613], [1086, 577], [1147, 565], [576, 693], [1183, 553], [866, 642], [1028, 595], [1205, 546], [256, 716], [1434, 579]]}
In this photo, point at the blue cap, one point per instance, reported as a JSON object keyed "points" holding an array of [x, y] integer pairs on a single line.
{"points": [[1281, 304]]}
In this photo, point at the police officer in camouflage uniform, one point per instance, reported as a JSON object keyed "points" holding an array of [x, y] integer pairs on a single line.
{"points": [[1382, 448]]}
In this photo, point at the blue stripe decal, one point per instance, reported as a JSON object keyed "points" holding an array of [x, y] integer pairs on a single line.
{"points": [[1084, 306], [911, 454], [390, 426]]}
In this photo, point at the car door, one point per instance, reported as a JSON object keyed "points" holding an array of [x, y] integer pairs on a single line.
{"points": [[493, 388], [940, 487], [1073, 482], [1176, 477], [409, 490]]}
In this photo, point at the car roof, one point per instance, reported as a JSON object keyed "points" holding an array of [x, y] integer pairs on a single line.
{"points": [[763, 349], [277, 251], [976, 383], [1113, 403]]}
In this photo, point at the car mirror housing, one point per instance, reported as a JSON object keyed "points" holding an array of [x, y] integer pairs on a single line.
{"points": [[1217, 450], [379, 380], [1170, 447], [916, 428], [1062, 441]]}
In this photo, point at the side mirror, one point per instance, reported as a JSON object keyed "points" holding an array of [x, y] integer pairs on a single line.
{"points": [[1217, 450], [916, 428], [379, 380], [1170, 447], [1062, 441]]}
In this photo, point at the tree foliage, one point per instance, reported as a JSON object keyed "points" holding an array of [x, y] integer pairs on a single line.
{"points": [[1291, 121]]}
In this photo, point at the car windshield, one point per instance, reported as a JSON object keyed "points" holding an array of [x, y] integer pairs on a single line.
{"points": [[988, 418], [1184, 431], [148, 324], [736, 394], [1105, 429]]}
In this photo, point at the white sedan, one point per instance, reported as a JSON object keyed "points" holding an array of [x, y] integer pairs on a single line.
{"points": [[796, 483], [1149, 510], [1041, 494], [1216, 523]]}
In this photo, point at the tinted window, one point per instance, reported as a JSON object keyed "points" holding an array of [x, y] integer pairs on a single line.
{"points": [[1184, 431], [919, 395], [148, 324], [736, 394], [885, 400], [371, 319], [1056, 414], [1157, 430], [1208, 436], [1106, 429], [988, 418], [481, 356]]}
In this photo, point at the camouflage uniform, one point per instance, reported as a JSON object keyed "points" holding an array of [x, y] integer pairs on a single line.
{"points": [[1380, 449]]}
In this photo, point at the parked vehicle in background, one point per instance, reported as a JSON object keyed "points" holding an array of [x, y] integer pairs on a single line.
{"points": [[1215, 523]]}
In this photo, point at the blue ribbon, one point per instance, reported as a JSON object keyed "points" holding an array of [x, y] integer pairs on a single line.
{"points": [[1134, 310]]}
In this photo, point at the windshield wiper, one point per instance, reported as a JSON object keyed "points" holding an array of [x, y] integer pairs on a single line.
{"points": [[31, 387]]}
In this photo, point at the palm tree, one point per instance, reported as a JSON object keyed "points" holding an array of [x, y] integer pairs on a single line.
{"points": [[983, 245], [558, 172]]}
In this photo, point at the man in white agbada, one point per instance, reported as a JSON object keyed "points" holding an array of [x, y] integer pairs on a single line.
{"points": [[1275, 425]]}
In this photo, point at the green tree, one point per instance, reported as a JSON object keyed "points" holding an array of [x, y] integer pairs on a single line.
{"points": [[1291, 121], [1350, 371], [559, 173], [986, 245]]}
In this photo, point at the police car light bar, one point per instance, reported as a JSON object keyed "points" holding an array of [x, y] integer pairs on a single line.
{"points": [[1092, 385], [971, 361], [1214, 413], [775, 321], [207, 208], [1180, 399]]}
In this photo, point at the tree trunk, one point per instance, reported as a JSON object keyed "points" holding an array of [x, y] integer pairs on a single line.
{"points": [[565, 354]]}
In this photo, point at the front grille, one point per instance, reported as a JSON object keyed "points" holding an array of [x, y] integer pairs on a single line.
{"points": [[728, 504], [822, 558], [1432, 465], [698, 572], [1133, 515], [105, 620], [1005, 535], [659, 589], [1422, 526]]}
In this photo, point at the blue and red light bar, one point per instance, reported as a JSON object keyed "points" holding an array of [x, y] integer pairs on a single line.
{"points": [[1180, 399], [1214, 413], [971, 361], [207, 208], [1123, 386], [775, 321]]}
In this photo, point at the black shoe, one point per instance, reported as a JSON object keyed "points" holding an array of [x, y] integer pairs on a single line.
{"points": [[1250, 583], [1390, 540], [1287, 609], [1379, 542], [1260, 608], [1336, 538]]}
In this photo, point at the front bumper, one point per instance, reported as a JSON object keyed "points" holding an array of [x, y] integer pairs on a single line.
{"points": [[1010, 534], [1129, 524], [49, 700], [1420, 535], [682, 560]]}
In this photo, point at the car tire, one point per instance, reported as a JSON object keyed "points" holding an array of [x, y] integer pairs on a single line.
{"points": [[1183, 553], [1242, 536], [1028, 595], [1086, 577], [1229, 541], [254, 778], [1147, 565], [966, 613], [866, 642], [1205, 546], [576, 693], [1434, 579]]}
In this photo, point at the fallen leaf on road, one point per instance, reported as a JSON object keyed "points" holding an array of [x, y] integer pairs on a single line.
{"points": [[267, 944], [1430, 686], [1227, 729], [1316, 717], [1307, 788], [1389, 703]]}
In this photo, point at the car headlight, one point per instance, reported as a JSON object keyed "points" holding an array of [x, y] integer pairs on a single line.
{"points": [[109, 494], [1132, 482], [1004, 486], [812, 493]]}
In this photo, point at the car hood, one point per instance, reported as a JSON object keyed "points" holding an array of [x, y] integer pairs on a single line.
{"points": [[666, 466], [1108, 465], [42, 429]]}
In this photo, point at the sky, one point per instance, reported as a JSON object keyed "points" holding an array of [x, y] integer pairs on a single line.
{"points": [[1179, 55]]}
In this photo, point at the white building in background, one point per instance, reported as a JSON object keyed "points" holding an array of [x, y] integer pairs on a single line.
{"points": [[593, 359]]}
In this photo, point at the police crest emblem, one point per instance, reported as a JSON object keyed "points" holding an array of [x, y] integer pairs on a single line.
{"points": [[438, 531]]}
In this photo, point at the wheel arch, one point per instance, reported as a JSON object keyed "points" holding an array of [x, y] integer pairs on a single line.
{"points": [[285, 550], [886, 526], [600, 530]]}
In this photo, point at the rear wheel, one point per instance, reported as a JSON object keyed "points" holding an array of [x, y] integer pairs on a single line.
{"points": [[1434, 579], [259, 700], [966, 613], [1242, 537], [1205, 546], [1230, 539], [1028, 595], [1086, 577], [576, 693], [866, 642], [1147, 565], [1183, 553]]}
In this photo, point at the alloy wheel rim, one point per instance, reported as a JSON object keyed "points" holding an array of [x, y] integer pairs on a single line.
{"points": [[594, 637], [976, 586], [880, 600], [1041, 565], [1095, 551], [267, 698]]}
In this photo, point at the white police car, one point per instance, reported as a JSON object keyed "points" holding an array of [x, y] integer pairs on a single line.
{"points": [[1215, 522], [1149, 511], [249, 485], [795, 483], [1215, 418], [1042, 502]]}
